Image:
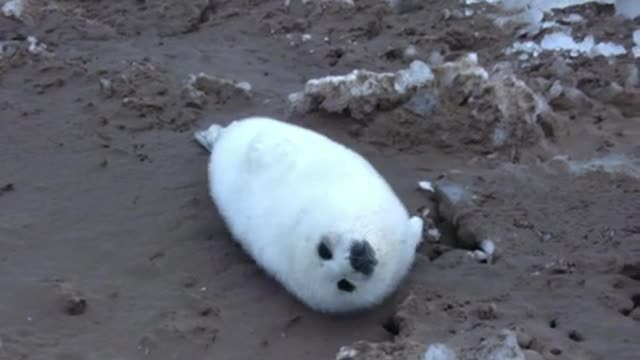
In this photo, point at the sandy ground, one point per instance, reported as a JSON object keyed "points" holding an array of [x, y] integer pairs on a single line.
{"points": [[110, 247]]}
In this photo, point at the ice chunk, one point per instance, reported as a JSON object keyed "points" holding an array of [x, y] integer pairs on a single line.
{"points": [[348, 3], [503, 346], [13, 8], [202, 86], [531, 13], [439, 352], [36, 47], [560, 41], [525, 47], [361, 92], [471, 2], [488, 247], [511, 5], [346, 352], [466, 67], [608, 49], [628, 8], [426, 186], [546, 5], [573, 18], [417, 75]]}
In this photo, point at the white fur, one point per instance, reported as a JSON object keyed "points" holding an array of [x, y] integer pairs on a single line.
{"points": [[281, 188]]}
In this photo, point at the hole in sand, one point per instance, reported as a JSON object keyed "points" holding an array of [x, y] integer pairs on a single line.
{"points": [[449, 238], [631, 271], [392, 325], [625, 312], [553, 323], [555, 351], [576, 336], [635, 298]]}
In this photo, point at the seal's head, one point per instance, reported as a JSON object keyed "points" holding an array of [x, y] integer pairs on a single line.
{"points": [[352, 270]]}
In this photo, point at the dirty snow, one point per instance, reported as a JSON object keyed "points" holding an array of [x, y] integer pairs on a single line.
{"points": [[544, 5], [466, 67], [611, 163], [628, 8], [13, 8], [561, 41], [360, 91], [439, 352]]}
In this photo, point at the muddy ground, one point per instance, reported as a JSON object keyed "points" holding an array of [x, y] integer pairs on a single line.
{"points": [[111, 249]]}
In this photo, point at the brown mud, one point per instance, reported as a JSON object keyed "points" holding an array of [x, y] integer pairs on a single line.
{"points": [[110, 247]]}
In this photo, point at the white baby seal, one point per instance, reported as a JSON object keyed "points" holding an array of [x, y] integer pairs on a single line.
{"points": [[312, 213]]}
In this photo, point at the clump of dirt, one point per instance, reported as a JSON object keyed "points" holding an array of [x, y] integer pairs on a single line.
{"points": [[468, 107]]}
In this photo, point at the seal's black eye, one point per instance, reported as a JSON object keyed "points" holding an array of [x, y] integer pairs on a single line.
{"points": [[324, 252], [346, 285]]}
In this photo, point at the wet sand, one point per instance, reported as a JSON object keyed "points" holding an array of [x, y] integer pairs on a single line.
{"points": [[110, 247]]}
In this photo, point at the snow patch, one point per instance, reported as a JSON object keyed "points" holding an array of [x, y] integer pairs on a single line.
{"points": [[611, 163], [439, 352], [36, 47], [471, 2], [466, 67], [13, 8], [199, 88], [346, 353], [561, 41], [349, 3], [573, 18], [361, 92], [544, 5], [628, 8]]}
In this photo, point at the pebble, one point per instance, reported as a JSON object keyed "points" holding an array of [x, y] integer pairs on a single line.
{"points": [[487, 312], [410, 53], [105, 87]]}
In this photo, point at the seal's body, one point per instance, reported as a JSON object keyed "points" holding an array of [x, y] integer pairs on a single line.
{"points": [[311, 212]]}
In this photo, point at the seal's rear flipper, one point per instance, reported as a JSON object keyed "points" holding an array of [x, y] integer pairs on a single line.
{"points": [[415, 230], [207, 138]]}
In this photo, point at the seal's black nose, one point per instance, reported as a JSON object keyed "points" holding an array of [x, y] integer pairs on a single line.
{"points": [[362, 257]]}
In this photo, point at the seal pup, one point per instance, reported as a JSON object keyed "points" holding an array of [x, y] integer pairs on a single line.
{"points": [[314, 214]]}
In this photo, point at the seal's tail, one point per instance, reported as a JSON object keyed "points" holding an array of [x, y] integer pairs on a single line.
{"points": [[207, 138]]}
